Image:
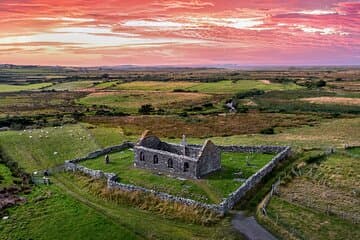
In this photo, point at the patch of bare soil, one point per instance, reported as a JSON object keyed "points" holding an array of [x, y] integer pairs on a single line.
{"points": [[333, 100], [9, 197], [265, 81]]}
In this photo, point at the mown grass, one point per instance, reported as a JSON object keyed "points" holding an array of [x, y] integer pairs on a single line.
{"points": [[131, 102], [17, 88], [51, 214], [6, 178], [211, 189], [305, 223]]}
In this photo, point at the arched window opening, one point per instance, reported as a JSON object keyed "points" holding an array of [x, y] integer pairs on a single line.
{"points": [[142, 156], [156, 159], [186, 166], [170, 163]]}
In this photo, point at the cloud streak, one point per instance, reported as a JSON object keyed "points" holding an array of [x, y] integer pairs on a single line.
{"points": [[111, 32]]}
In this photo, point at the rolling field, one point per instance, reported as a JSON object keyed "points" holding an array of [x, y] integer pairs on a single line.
{"points": [[71, 86], [42, 148], [331, 132], [229, 87], [327, 192], [221, 87], [32, 103], [304, 223], [131, 102], [211, 189], [155, 86], [17, 88], [204, 126], [51, 214]]}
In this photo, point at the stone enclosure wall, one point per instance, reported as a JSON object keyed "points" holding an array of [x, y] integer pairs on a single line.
{"points": [[226, 205]]}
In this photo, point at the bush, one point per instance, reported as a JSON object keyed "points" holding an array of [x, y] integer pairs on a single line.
{"points": [[208, 105], [250, 93], [183, 114], [146, 109], [269, 130]]}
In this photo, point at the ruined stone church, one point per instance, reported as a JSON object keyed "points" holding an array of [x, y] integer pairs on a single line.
{"points": [[183, 160]]}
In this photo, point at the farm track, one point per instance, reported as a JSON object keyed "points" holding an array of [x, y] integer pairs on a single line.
{"points": [[109, 213]]}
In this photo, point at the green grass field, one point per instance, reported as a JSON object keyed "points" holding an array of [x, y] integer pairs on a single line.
{"points": [[228, 87], [322, 201], [71, 86], [6, 178], [305, 223], [17, 88], [319, 135], [51, 214], [131, 102], [48, 147], [222, 87], [211, 189], [155, 86]]}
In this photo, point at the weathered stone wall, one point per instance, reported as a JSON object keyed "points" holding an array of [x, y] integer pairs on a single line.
{"points": [[164, 196], [235, 197], [209, 159], [163, 158], [104, 151], [223, 207], [249, 149]]}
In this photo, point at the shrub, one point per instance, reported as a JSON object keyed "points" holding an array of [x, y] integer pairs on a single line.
{"points": [[269, 130], [146, 109], [208, 105], [250, 93]]}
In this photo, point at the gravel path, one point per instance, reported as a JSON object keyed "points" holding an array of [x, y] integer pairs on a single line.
{"points": [[248, 226]]}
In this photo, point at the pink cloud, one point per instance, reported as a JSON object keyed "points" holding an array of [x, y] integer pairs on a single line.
{"points": [[110, 32]]}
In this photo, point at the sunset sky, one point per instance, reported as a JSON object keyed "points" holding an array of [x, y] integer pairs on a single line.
{"points": [[197, 32]]}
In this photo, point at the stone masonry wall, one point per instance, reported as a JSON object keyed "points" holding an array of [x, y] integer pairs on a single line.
{"points": [[178, 162], [222, 208], [235, 197]]}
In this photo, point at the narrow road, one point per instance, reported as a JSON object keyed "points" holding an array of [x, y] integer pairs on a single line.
{"points": [[249, 227]]}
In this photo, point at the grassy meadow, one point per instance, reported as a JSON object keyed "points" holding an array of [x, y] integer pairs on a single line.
{"points": [[71, 86], [131, 102], [6, 178], [27, 87], [321, 201], [221, 87]]}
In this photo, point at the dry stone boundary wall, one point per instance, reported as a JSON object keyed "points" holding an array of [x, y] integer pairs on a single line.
{"points": [[226, 205]]}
